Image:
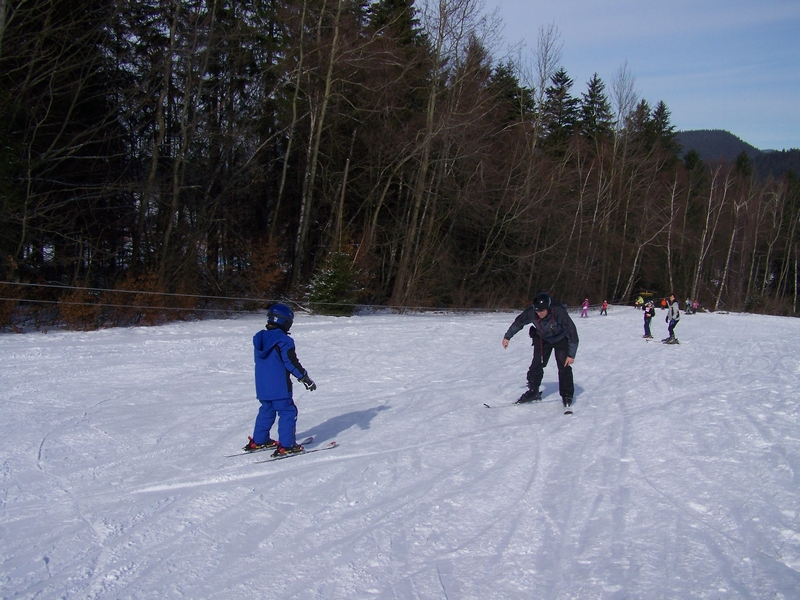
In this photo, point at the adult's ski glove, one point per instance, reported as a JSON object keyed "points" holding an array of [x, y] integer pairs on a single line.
{"points": [[306, 381]]}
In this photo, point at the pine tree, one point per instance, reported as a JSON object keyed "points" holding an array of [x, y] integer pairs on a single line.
{"points": [[560, 110], [398, 18], [332, 290], [744, 166], [639, 123], [596, 120], [663, 130], [518, 100]]}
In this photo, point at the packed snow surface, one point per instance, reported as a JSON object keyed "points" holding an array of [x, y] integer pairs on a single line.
{"points": [[677, 477]]}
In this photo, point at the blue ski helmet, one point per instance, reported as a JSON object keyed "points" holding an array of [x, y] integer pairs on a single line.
{"points": [[280, 316], [542, 301]]}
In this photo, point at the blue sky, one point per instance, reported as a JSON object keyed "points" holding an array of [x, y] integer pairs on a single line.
{"points": [[717, 64]]}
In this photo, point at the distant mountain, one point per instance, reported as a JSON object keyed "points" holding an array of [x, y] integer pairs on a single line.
{"points": [[777, 163], [715, 144], [718, 145]]}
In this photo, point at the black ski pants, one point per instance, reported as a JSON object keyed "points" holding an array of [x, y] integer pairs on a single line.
{"points": [[671, 327], [541, 356]]}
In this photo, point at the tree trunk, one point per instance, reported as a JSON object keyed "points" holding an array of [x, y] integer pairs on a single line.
{"points": [[709, 227], [190, 95], [336, 242], [306, 202], [724, 277], [292, 127], [150, 194]]}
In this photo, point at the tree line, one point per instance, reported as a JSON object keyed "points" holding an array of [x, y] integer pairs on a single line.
{"points": [[357, 151]]}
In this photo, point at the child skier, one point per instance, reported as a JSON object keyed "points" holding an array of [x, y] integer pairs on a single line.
{"points": [[604, 308], [552, 328], [649, 313], [585, 309], [275, 359]]}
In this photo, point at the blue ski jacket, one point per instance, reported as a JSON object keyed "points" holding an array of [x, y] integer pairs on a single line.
{"points": [[275, 359]]}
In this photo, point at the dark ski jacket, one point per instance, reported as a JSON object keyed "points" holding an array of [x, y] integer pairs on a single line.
{"points": [[275, 359], [649, 313], [556, 326]]}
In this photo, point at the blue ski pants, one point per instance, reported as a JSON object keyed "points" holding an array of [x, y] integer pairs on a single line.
{"points": [[286, 411]]}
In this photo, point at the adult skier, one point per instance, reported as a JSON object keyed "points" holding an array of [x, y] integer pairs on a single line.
{"points": [[275, 360], [673, 316], [551, 329]]}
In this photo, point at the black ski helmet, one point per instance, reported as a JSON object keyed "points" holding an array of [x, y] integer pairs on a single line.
{"points": [[542, 301], [280, 316]]}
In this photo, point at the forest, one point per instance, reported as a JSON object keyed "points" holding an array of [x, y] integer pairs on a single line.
{"points": [[337, 153]]}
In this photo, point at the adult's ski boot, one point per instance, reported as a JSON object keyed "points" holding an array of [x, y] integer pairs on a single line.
{"points": [[529, 396]]}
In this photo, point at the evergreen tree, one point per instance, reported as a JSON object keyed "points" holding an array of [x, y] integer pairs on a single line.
{"points": [[693, 161], [663, 129], [596, 120], [744, 166], [639, 123], [560, 110], [512, 97], [398, 18], [333, 288], [650, 129]]}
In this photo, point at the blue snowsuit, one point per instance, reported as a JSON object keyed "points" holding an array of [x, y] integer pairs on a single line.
{"points": [[275, 359]]}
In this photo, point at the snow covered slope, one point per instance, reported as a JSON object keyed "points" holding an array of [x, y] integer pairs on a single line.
{"points": [[677, 477]]}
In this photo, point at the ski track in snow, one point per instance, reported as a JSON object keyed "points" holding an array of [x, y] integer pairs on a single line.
{"points": [[677, 477]]}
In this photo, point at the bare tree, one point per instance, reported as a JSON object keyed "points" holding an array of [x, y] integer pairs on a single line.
{"points": [[293, 123], [315, 132], [717, 198], [453, 27], [624, 97]]}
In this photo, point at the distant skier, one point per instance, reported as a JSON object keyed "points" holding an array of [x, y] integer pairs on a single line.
{"points": [[552, 328], [275, 359], [649, 313], [585, 309], [673, 316], [604, 308]]}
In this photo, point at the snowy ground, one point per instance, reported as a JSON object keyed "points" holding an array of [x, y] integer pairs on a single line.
{"points": [[677, 477]]}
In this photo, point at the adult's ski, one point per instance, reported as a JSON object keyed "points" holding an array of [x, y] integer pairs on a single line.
{"points": [[308, 440], [567, 410], [330, 446], [518, 403]]}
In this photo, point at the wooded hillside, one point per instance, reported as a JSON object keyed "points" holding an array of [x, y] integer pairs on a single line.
{"points": [[347, 151]]}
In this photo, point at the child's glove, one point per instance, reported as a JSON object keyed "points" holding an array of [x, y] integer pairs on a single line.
{"points": [[306, 381]]}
